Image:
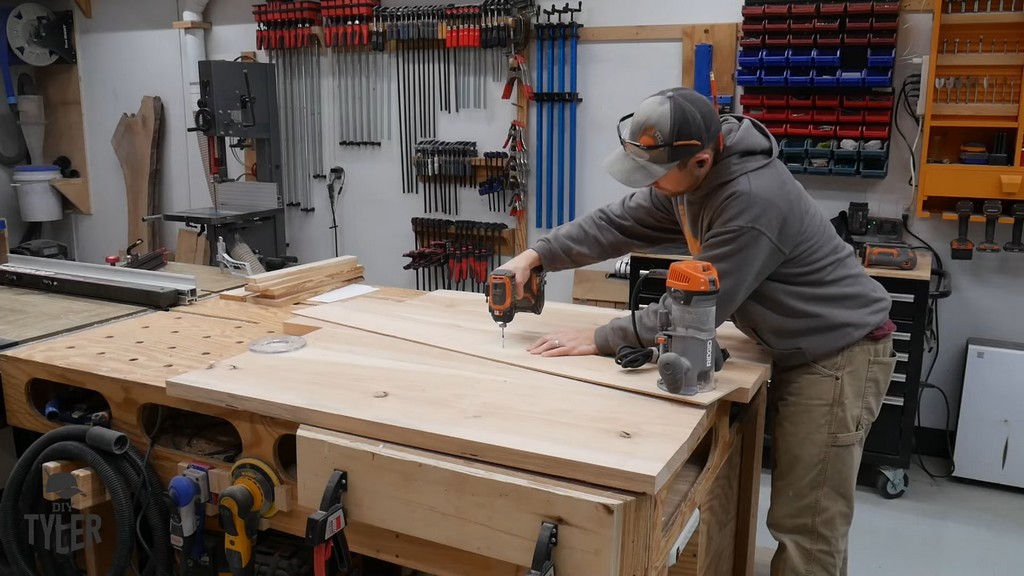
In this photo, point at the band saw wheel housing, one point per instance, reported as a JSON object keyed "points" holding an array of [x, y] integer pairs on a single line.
{"points": [[21, 28]]}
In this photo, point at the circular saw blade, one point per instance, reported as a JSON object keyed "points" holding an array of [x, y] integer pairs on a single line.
{"points": [[22, 26]]}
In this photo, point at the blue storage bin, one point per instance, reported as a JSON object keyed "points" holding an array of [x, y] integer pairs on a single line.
{"points": [[748, 77], [843, 167], [830, 57], [840, 153], [796, 167], [750, 57], [826, 77], [793, 149], [801, 56], [775, 57], [774, 76], [874, 154], [874, 168], [878, 77], [820, 166], [881, 57], [819, 147], [801, 76], [851, 77]]}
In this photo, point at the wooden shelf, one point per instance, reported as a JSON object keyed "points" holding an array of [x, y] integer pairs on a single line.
{"points": [[971, 168], [76, 190], [982, 18], [983, 59], [972, 123], [191, 24], [1008, 110]]}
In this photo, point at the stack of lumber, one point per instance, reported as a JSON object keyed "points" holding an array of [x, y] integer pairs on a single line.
{"points": [[292, 285]]}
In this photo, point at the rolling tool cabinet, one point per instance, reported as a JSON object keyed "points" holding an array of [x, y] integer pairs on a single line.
{"points": [[889, 446]]}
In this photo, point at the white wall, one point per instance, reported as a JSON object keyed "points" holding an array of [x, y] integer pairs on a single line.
{"points": [[125, 55]]}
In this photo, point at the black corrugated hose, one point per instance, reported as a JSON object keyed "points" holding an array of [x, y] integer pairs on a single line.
{"points": [[126, 476]]}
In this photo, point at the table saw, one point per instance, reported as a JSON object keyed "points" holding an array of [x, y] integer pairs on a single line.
{"points": [[456, 454]]}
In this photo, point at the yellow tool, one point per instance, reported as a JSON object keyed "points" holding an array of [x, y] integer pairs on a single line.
{"points": [[249, 498]]}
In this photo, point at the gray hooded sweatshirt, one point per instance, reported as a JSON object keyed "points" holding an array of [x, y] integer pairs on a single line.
{"points": [[787, 279]]}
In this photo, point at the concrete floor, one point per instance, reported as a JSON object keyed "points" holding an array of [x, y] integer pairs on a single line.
{"points": [[940, 528]]}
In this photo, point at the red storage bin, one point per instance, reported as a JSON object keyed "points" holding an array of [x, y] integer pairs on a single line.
{"points": [[822, 131], [857, 39], [832, 9], [798, 116], [856, 102], [802, 41], [825, 116], [798, 130], [776, 114], [776, 41], [885, 24], [751, 100], [849, 131], [828, 40], [753, 26], [750, 11], [886, 8], [801, 25], [853, 8], [780, 100], [804, 10], [878, 116], [876, 132], [848, 116], [755, 112], [826, 101], [883, 38], [777, 129], [826, 24], [755, 41], [776, 26], [879, 101], [776, 10], [801, 101]]}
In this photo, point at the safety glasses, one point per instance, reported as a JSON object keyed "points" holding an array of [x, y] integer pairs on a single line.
{"points": [[655, 153]]}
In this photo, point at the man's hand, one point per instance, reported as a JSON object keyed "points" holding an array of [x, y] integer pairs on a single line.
{"points": [[568, 343], [522, 266]]}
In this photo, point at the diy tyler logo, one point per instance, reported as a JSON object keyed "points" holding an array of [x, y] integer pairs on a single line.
{"points": [[63, 530]]}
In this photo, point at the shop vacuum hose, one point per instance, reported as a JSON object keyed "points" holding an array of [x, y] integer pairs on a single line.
{"points": [[133, 486]]}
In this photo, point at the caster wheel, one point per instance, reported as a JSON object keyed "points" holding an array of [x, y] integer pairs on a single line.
{"points": [[894, 486]]}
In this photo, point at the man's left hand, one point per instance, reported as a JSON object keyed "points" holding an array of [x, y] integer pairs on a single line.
{"points": [[568, 343]]}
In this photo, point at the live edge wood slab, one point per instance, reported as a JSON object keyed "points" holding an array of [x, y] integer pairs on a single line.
{"points": [[454, 460]]}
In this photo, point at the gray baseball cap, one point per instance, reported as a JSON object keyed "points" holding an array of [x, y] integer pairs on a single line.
{"points": [[668, 128]]}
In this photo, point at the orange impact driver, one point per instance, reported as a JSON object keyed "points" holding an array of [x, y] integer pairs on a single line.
{"points": [[501, 297], [899, 256]]}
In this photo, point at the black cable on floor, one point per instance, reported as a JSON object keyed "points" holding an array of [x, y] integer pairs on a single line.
{"points": [[949, 442]]}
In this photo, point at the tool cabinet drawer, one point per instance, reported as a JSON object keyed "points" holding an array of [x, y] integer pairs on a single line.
{"points": [[887, 429], [486, 510]]}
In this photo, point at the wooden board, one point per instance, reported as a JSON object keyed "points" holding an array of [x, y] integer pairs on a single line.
{"points": [[136, 142], [27, 315], [259, 282], [59, 85], [724, 38], [410, 491], [388, 389], [459, 322]]}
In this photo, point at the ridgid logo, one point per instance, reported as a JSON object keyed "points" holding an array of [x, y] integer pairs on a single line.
{"points": [[63, 530]]}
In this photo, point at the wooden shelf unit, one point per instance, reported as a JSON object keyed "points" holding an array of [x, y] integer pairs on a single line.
{"points": [[974, 112]]}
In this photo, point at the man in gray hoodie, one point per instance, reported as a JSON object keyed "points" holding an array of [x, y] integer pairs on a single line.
{"points": [[787, 280]]}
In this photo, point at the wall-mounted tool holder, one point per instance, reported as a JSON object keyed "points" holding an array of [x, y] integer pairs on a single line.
{"points": [[457, 255], [819, 75], [442, 169], [973, 152]]}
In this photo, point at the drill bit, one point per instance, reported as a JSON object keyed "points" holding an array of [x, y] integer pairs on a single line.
{"points": [[502, 325]]}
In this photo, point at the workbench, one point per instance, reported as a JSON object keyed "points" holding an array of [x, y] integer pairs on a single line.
{"points": [[454, 459]]}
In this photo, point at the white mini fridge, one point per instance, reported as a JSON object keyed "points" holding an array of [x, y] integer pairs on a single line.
{"points": [[990, 430]]}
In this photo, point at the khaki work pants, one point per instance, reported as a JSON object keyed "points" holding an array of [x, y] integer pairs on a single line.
{"points": [[822, 413]]}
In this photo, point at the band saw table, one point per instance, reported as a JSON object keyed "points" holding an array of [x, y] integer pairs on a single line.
{"points": [[457, 452]]}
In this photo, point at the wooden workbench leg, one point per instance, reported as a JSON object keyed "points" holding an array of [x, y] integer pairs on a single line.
{"points": [[750, 484]]}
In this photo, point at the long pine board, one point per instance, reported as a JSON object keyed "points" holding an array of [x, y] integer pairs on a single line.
{"points": [[391, 390], [459, 322]]}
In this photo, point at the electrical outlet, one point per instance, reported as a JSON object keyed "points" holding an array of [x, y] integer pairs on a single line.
{"points": [[926, 86]]}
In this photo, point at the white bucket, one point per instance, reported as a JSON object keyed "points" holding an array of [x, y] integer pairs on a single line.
{"points": [[39, 202]]}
